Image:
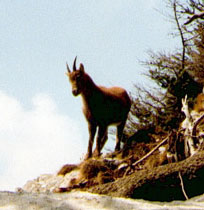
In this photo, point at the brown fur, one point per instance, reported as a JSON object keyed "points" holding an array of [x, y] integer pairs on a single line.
{"points": [[67, 169], [104, 177], [101, 106], [90, 168], [91, 172], [156, 159], [199, 105]]}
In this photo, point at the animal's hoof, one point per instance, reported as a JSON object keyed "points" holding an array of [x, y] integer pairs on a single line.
{"points": [[60, 190], [96, 153], [87, 156], [117, 149]]}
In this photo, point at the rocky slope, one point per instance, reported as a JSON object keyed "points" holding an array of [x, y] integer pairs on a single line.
{"points": [[87, 201], [38, 194]]}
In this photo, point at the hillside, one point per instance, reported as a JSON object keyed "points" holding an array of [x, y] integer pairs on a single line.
{"points": [[86, 201]]}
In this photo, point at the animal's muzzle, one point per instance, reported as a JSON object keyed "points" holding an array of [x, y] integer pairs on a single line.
{"points": [[75, 92]]}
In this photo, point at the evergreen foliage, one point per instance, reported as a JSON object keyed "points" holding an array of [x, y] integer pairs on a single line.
{"points": [[176, 75]]}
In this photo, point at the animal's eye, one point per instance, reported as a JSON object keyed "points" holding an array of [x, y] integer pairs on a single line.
{"points": [[78, 77]]}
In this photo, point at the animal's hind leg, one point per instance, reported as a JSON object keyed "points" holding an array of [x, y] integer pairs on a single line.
{"points": [[119, 135], [104, 139], [101, 133]]}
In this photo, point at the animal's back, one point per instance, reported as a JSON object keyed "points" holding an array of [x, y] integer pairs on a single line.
{"points": [[117, 93], [112, 105]]}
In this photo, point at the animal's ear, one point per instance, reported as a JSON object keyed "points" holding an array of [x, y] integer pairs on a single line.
{"points": [[81, 68], [67, 73]]}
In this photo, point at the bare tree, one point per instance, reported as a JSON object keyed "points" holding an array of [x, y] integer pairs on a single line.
{"points": [[176, 75]]}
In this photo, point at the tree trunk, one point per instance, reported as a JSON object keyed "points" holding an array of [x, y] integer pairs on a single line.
{"points": [[160, 183]]}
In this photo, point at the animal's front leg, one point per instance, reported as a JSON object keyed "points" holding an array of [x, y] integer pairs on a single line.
{"points": [[92, 131], [101, 134]]}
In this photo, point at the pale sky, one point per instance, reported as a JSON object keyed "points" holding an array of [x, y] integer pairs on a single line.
{"points": [[41, 123]]}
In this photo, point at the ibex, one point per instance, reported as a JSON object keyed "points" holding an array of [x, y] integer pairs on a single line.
{"points": [[199, 105], [101, 106]]}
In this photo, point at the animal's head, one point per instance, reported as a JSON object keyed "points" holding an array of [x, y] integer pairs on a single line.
{"points": [[76, 78]]}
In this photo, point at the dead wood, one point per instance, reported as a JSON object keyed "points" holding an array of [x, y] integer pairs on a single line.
{"points": [[194, 130], [160, 183], [151, 152], [182, 186], [194, 17]]}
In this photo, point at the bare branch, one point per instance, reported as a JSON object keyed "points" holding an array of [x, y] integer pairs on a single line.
{"points": [[182, 38], [194, 17], [182, 186], [153, 150]]}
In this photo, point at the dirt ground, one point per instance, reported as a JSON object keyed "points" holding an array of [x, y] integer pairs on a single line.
{"points": [[153, 179]]}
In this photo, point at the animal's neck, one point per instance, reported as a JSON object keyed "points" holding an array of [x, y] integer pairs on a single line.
{"points": [[89, 89]]}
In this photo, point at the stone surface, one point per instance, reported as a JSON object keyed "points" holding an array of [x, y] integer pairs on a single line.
{"points": [[87, 201], [48, 182]]}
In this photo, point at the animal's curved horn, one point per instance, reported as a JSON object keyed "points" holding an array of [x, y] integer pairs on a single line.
{"points": [[68, 69], [74, 64]]}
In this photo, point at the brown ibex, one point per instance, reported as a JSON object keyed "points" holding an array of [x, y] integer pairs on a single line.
{"points": [[101, 106], [199, 105]]}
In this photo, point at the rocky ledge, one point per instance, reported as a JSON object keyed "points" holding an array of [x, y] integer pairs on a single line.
{"points": [[87, 201]]}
